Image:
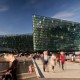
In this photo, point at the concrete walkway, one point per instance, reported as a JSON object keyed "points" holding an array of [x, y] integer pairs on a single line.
{"points": [[72, 70]]}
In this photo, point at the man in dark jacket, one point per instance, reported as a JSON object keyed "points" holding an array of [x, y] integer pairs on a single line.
{"points": [[11, 72]]}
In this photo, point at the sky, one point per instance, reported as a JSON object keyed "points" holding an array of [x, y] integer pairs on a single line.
{"points": [[16, 15]]}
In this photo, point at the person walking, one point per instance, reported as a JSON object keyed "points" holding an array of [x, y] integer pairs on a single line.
{"points": [[53, 61], [45, 60], [58, 59], [62, 59]]}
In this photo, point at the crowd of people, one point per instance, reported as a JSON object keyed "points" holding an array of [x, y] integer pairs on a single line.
{"points": [[45, 56], [53, 60]]}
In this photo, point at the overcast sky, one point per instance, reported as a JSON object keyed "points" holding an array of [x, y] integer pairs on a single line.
{"points": [[16, 15]]}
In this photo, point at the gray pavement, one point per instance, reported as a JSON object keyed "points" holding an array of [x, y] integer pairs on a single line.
{"points": [[72, 70]]}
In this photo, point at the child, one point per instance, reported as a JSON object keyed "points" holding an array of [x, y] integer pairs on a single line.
{"points": [[30, 68]]}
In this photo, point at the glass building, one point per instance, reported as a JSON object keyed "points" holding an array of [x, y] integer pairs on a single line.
{"points": [[55, 34], [48, 34], [20, 43]]}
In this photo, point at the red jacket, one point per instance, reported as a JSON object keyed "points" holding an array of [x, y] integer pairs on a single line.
{"points": [[62, 58]]}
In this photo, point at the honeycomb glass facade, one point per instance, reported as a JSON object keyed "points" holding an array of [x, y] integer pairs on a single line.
{"points": [[55, 34]]}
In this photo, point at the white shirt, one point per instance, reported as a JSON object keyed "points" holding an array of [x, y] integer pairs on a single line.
{"points": [[46, 57]]}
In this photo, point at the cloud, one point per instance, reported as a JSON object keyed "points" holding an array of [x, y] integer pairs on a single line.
{"points": [[71, 13], [3, 33], [3, 8], [63, 15], [74, 8]]}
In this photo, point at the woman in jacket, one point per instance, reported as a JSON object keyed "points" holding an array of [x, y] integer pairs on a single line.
{"points": [[62, 59]]}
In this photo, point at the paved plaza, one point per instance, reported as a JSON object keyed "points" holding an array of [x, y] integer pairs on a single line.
{"points": [[72, 70]]}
